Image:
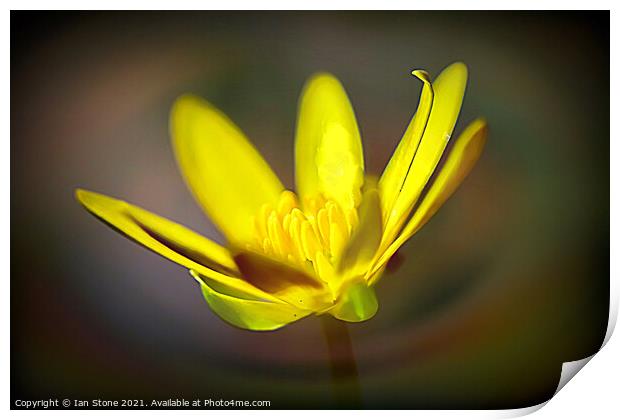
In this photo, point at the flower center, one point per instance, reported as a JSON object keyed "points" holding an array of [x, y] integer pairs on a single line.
{"points": [[311, 239]]}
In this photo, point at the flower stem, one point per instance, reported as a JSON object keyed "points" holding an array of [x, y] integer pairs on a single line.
{"points": [[345, 380]]}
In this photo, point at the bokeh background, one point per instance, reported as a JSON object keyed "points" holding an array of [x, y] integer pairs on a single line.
{"points": [[509, 279]]}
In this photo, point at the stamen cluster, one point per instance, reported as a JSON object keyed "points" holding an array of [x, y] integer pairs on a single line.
{"points": [[312, 239]]}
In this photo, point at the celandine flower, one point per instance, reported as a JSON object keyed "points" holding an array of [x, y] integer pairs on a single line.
{"points": [[321, 249]]}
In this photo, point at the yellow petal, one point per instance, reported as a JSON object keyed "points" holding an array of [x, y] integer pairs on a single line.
{"points": [[172, 241], [249, 314], [328, 149], [226, 174], [460, 161], [396, 170], [284, 281], [365, 239], [448, 90]]}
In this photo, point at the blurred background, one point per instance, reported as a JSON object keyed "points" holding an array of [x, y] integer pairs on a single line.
{"points": [[508, 280]]}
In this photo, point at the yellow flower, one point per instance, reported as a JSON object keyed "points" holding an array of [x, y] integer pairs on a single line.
{"points": [[322, 249]]}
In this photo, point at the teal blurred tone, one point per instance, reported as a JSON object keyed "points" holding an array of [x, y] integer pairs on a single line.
{"points": [[507, 281]]}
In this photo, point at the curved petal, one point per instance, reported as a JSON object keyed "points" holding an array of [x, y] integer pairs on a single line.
{"points": [[172, 241], [249, 314], [328, 149], [460, 161], [226, 174], [448, 90], [397, 168]]}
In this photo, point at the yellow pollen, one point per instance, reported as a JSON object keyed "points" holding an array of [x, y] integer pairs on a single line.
{"points": [[311, 239]]}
